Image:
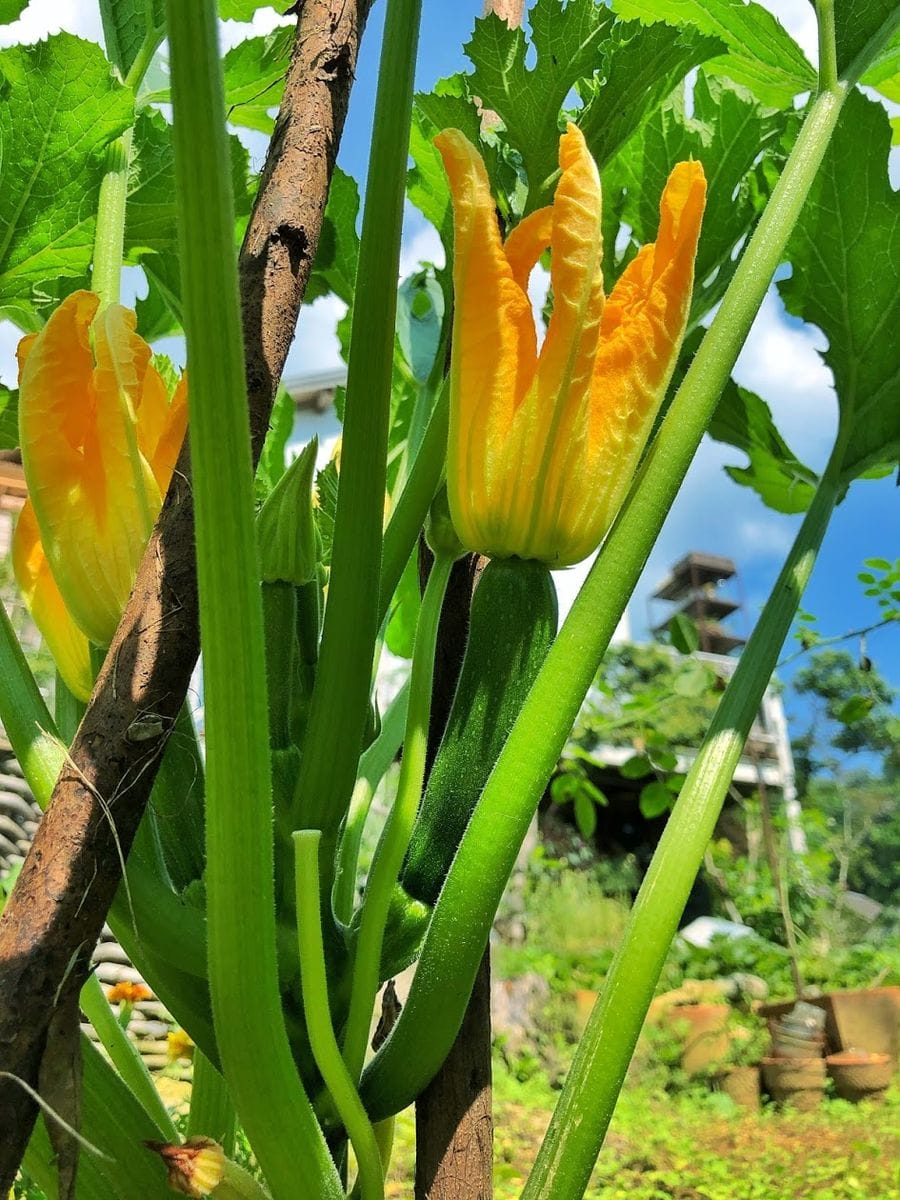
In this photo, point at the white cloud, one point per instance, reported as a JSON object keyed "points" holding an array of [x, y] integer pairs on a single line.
{"points": [[781, 361], [43, 17], [316, 346], [421, 243]]}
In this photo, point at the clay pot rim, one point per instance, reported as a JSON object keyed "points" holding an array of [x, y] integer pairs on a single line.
{"points": [[858, 1058]]}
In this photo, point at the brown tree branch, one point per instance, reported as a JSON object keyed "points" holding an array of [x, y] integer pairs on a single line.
{"points": [[54, 917]]}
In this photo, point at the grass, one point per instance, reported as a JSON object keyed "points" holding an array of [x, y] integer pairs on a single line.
{"points": [[698, 1147]]}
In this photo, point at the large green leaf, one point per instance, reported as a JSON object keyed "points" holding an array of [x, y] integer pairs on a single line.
{"points": [[11, 10], [150, 214], [774, 472], [338, 252], [254, 72], [645, 63], [125, 25], [59, 108], [855, 22], [762, 54], [566, 44], [254, 78], [426, 183], [845, 254], [727, 133]]}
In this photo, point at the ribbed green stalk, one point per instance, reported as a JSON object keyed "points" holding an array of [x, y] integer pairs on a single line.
{"points": [[585, 1107], [394, 841], [319, 1025], [409, 514], [124, 1054], [373, 764], [828, 75], [254, 1050], [462, 918], [212, 1112], [340, 701], [106, 271]]}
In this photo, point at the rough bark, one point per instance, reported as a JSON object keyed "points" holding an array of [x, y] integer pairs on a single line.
{"points": [[54, 917], [454, 1122]]}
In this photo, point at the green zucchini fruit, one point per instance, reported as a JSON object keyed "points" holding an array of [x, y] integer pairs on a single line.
{"points": [[513, 622]]}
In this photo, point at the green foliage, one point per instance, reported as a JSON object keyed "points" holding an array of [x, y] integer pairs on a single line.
{"points": [[61, 108], [272, 460], [11, 10], [761, 54], [9, 419], [726, 133], [861, 819], [254, 78], [150, 216], [854, 703], [882, 580], [243, 10], [774, 472], [650, 696], [855, 22], [847, 243], [644, 65], [126, 24], [567, 44]]}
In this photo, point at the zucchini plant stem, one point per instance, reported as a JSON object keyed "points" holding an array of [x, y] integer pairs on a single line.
{"points": [[106, 271], [124, 1054], [392, 846], [253, 1046], [461, 920], [319, 1025], [585, 1107], [340, 700]]}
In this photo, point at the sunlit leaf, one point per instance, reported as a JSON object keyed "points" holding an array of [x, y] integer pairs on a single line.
{"points": [[566, 47], [125, 25], [272, 461], [11, 10], [727, 132], [643, 65], [855, 22], [762, 54], [59, 108], [774, 472], [845, 253]]}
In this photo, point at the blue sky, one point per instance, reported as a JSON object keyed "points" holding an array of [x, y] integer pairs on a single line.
{"points": [[780, 361]]}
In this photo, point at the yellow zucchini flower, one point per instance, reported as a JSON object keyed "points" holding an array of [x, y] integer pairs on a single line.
{"points": [[543, 445], [99, 440]]}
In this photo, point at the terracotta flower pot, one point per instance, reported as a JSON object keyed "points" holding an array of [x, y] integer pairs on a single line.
{"points": [[799, 1082], [858, 1075], [706, 1040], [868, 1019], [741, 1084]]}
